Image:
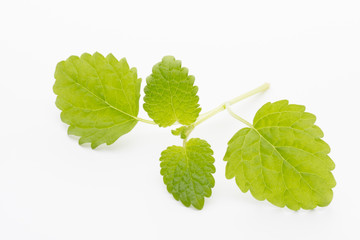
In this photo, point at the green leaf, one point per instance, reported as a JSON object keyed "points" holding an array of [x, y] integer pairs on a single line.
{"points": [[183, 131], [188, 172], [282, 158], [170, 94], [98, 96]]}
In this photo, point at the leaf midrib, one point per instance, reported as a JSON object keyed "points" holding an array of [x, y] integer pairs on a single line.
{"points": [[171, 94], [96, 96], [284, 160]]}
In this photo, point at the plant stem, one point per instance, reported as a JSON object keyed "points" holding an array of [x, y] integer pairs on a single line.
{"points": [[222, 107], [227, 105], [145, 121], [234, 115]]}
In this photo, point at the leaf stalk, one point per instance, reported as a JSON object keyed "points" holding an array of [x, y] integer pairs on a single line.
{"points": [[224, 106], [234, 115]]}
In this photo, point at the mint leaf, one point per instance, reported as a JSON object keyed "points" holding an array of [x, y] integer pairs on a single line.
{"points": [[182, 131], [282, 158], [98, 96], [170, 94], [188, 172]]}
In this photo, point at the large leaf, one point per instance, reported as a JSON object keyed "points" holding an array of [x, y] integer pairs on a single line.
{"points": [[170, 94], [188, 172], [282, 158], [98, 96]]}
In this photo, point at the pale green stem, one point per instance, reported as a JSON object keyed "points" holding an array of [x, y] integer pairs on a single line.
{"points": [[209, 114], [222, 107], [226, 105], [234, 115], [145, 121]]}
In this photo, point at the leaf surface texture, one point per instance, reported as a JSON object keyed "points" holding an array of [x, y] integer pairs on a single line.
{"points": [[282, 158], [187, 172], [98, 97], [170, 94]]}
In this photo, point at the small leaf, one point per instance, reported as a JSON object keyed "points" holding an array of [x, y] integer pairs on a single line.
{"points": [[188, 172], [98, 96], [170, 94], [282, 158], [182, 131]]}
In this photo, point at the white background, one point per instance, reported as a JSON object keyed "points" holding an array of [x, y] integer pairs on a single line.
{"points": [[52, 188]]}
